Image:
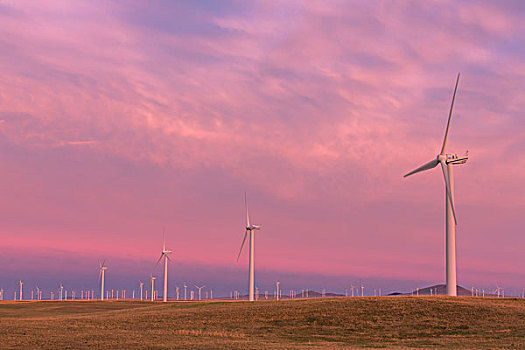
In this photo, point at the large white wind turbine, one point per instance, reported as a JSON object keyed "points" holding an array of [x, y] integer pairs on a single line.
{"points": [[447, 160], [250, 228], [101, 276], [164, 254]]}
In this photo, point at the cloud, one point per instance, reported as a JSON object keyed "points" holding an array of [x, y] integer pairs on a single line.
{"points": [[316, 108]]}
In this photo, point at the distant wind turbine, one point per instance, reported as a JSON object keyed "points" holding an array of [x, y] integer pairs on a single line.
{"points": [[200, 289], [250, 228], [21, 284], [446, 161], [141, 285], [153, 288], [164, 254], [101, 277]]}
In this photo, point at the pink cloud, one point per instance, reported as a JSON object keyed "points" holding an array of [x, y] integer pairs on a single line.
{"points": [[317, 109]]}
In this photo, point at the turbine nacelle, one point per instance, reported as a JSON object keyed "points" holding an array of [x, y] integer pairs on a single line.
{"points": [[253, 227], [456, 159]]}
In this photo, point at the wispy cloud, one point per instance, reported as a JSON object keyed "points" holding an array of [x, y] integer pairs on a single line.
{"points": [[318, 108]]}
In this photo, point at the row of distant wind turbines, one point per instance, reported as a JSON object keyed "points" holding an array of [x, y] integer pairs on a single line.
{"points": [[446, 160], [164, 255], [90, 294]]}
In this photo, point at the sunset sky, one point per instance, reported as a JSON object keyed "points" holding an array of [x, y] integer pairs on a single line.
{"points": [[118, 118]]}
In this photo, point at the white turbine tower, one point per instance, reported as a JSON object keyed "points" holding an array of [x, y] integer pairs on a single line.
{"points": [[250, 228], [101, 275], [164, 254], [153, 288], [21, 284], [446, 161]]}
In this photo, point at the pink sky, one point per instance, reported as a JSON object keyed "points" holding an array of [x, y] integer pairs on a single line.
{"points": [[118, 119]]}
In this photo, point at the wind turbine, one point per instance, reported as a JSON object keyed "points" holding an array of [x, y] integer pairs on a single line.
{"points": [[141, 285], [164, 255], [250, 228], [101, 275], [153, 288], [447, 160], [199, 288], [20, 283]]}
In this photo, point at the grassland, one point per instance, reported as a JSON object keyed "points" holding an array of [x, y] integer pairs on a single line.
{"points": [[386, 322]]}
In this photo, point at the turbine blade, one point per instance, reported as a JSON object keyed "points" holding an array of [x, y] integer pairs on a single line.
{"points": [[161, 255], [163, 238], [443, 149], [432, 164], [242, 245], [246, 205], [449, 191]]}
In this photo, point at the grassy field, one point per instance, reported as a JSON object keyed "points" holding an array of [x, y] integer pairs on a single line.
{"points": [[385, 322]]}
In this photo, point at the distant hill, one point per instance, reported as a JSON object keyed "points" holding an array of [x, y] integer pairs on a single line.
{"points": [[440, 289]]}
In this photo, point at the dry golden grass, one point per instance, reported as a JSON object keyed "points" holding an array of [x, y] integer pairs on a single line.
{"points": [[386, 322]]}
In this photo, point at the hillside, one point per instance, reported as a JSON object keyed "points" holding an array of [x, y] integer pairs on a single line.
{"points": [[405, 322]]}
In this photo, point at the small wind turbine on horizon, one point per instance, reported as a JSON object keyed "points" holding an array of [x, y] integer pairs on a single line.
{"points": [[101, 277], [446, 161], [21, 284], [153, 288], [164, 254], [250, 228], [200, 289]]}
